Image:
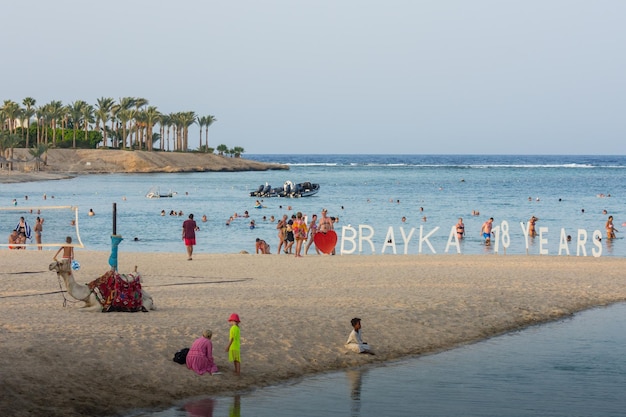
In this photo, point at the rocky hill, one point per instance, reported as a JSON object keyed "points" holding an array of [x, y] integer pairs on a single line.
{"points": [[88, 161]]}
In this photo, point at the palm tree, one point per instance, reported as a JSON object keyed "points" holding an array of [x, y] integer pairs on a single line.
{"points": [[152, 117], [115, 125], [29, 112], [47, 120], [37, 151], [19, 120], [165, 123], [123, 113], [140, 128], [201, 122], [39, 113], [10, 111], [209, 121], [4, 138], [88, 117], [56, 112], [178, 128], [221, 149], [177, 124], [131, 115], [75, 112], [139, 103], [103, 114], [238, 150], [187, 119], [9, 143]]}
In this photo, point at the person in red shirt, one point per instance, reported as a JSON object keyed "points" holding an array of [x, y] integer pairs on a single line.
{"points": [[189, 235]]}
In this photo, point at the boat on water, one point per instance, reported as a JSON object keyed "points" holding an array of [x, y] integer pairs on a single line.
{"points": [[289, 190], [155, 192]]}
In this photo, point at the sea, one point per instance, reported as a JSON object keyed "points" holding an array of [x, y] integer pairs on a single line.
{"points": [[572, 367], [384, 205]]}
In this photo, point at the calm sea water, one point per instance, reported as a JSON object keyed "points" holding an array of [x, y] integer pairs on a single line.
{"points": [[431, 191], [573, 367]]}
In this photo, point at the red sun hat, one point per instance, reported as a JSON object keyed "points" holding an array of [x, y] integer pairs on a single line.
{"points": [[234, 317]]}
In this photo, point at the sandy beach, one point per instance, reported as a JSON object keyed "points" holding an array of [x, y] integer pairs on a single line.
{"points": [[61, 361]]}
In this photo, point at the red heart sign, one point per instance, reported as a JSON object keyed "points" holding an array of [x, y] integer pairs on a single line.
{"points": [[325, 241]]}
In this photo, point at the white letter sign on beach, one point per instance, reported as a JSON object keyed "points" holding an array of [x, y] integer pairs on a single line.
{"points": [[453, 236], [501, 236], [562, 243], [542, 241], [349, 234], [502, 230]]}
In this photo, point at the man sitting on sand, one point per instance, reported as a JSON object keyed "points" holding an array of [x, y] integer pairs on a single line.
{"points": [[355, 342], [15, 240]]}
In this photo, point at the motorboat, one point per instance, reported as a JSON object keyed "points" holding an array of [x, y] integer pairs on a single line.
{"points": [[289, 190], [155, 192]]}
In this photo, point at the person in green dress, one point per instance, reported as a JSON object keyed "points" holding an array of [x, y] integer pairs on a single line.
{"points": [[233, 343]]}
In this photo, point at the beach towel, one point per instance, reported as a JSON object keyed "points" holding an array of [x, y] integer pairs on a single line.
{"points": [[27, 230]]}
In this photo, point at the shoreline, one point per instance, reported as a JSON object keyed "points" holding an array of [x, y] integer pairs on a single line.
{"points": [[18, 177], [295, 318]]}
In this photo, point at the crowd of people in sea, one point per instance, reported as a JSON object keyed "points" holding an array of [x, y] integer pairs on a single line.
{"points": [[23, 233], [295, 232]]}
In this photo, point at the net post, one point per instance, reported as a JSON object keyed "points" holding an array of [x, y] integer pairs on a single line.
{"points": [[114, 218], [115, 241]]}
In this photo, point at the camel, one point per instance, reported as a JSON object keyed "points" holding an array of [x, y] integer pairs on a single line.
{"points": [[82, 292]]}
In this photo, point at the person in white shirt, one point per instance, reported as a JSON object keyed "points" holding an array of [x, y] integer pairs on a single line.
{"points": [[355, 341]]}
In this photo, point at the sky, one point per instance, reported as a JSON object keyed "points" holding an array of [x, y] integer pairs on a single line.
{"points": [[340, 76]]}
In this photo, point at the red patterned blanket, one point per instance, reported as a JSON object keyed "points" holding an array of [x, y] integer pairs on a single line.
{"points": [[118, 292]]}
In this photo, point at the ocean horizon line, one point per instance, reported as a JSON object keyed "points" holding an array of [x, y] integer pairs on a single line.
{"points": [[444, 161]]}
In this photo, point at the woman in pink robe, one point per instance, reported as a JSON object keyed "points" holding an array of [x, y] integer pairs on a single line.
{"points": [[200, 356]]}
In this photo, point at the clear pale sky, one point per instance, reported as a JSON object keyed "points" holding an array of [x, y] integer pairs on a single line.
{"points": [[334, 76]]}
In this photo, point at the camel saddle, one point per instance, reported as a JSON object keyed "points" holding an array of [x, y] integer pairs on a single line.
{"points": [[117, 292]]}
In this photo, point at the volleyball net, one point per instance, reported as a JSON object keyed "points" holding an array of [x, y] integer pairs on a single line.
{"points": [[58, 223]]}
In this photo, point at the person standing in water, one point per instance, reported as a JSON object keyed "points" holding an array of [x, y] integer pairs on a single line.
{"points": [[532, 232], [486, 231], [610, 229], [38, 231], [460, 229]]}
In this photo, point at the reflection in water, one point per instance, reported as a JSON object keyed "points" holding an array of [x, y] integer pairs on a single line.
{"points": [[235, 408], [206, 406], [200, 408], [355, 376], [609, 246]]}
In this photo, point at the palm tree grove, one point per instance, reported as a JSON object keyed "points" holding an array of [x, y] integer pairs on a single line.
{"points": [[129, 123]]}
